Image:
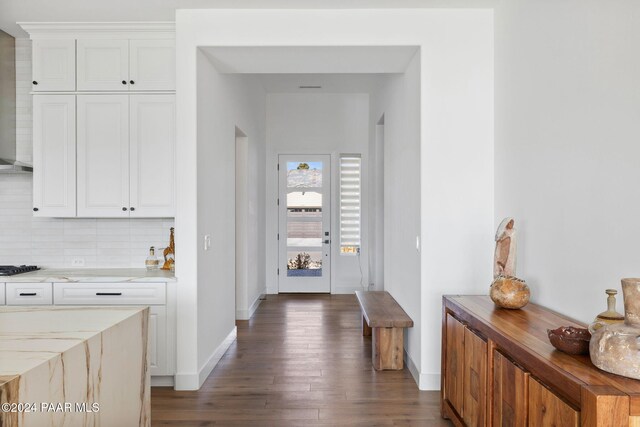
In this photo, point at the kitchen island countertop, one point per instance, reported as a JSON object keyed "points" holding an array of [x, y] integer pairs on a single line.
{"points": [[94, 359]]}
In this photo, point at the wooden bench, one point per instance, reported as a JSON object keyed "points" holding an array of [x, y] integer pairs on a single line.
{"points": [[384, 320]]}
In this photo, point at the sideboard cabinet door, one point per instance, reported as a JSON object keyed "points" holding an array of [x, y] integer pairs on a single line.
{"points": [[509, 393], [475, 380], [548, 410], [454, 364]]}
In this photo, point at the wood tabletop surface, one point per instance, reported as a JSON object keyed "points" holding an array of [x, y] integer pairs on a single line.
{"points": [[382, 311]]}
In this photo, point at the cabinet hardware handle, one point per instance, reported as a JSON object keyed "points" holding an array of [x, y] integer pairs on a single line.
{"points": [[132, 209], [36, 209], [28, 294], [124, 209], [326, 242], [114, 294], [132, 82], [124, 82], [34, 82]]}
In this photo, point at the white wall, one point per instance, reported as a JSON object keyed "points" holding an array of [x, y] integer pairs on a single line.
{"points": [[224, 102], [318, 124], [456, 141], [567, 146], [398, 99]]}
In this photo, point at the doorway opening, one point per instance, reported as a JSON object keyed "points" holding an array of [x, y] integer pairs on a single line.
{"points": [[241, 222]]}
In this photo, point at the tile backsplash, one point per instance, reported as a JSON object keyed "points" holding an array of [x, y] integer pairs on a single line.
{"points": [[57, 242]]}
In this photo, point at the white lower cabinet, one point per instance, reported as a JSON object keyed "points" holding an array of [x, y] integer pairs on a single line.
{"points": [[158, 350], [2, 300], [154, 295], [29, 294]]}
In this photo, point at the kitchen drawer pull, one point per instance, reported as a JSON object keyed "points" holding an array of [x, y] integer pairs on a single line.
{"points": [[113, 294], [28, 294]]}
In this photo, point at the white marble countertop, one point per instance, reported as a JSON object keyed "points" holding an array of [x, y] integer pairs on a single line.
{"points": [[31, 336], [92, 275]]}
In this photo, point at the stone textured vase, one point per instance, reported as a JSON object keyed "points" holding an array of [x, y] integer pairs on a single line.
{"points": [[610, 316], [616, 348], [509, 292]]}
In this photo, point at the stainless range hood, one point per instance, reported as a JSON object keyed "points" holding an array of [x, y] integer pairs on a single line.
{"points": [[8, 163]]}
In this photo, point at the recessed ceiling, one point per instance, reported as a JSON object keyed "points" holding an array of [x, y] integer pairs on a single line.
{"points": [[311, 59]]}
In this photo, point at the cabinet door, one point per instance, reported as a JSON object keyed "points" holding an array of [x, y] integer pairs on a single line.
{"points": [[548, 410], [510, 390], [454, 359], [475, 379], [54, 155], [158, 341], [103, 65], [103, 156], [152, 65], [54, 65], [152, 144]]}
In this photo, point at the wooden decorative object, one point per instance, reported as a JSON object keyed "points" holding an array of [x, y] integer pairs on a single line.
{"points": [[170, 252], [505, 255], [505, 356], [507, 291]]}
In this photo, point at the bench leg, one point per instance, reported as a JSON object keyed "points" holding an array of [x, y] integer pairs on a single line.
{"points": [[366, 330], [387, 347]]}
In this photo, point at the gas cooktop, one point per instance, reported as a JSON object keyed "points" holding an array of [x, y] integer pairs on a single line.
{"points": [[10, 270]]}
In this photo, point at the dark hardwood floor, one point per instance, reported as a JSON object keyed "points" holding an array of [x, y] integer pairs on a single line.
{"points": [[300, 361]]}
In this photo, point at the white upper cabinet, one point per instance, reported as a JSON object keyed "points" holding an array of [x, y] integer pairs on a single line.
{"points": [[123, 65], [152, 148], [54, 155], [103, 156], [103, 64], [54, 65], [152, 65]]}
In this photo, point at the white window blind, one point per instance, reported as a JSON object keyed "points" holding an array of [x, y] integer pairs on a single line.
{"points": [[350, 203]]}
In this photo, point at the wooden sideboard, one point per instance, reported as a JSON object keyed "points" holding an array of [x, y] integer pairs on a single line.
{"points": [[499, 369]]}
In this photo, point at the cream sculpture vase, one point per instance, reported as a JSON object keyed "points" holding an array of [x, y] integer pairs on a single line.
{"points": [[616, 348]]}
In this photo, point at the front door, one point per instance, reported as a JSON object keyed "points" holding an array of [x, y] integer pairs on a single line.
{"points": [[304, 213]]}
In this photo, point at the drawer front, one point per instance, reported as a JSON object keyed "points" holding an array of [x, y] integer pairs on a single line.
{"points": [[29, 294], [109, 293], [2, 300]]}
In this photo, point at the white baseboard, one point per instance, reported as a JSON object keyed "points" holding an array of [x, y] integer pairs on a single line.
{"points": [[162, 381], [194, 381], [423, 381], [216, 356], [247, 314], [186, 382]]}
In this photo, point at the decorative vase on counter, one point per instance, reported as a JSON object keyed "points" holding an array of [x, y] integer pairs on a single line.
{"points": [[615, 348], [609, 317], [507, 291]]}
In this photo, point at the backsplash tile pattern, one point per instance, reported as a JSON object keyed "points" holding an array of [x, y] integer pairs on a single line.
{"points": [[56, 242]]}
